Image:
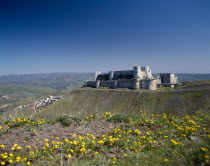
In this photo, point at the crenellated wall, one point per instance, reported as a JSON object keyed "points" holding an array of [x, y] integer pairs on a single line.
{"points": [[90, 84], [131, 84], [141, 72], [128, 74], [139, 77], [109, 84]]}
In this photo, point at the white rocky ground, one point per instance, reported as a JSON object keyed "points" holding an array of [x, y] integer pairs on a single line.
{"points": [[41, 104]]}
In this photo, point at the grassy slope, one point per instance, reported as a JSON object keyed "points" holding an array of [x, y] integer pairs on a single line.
{"points": [[161, 141], [84, 102], [20, 95], [107, 139]]}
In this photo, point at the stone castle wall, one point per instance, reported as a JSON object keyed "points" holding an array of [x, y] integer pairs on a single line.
{"points": [[143, 72], [126, 84], [131, 84], [139, 77], [150, 84], [168, 78]]}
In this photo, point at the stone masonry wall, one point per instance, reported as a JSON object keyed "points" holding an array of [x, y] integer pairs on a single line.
{"points": [[131, 84], [126, 84]]}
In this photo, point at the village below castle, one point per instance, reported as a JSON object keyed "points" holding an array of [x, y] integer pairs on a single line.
{"points": [[138, 78]]}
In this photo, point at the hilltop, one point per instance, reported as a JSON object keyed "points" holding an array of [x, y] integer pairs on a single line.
{"points": [[112, 127], [74, 80], [187, 99]]}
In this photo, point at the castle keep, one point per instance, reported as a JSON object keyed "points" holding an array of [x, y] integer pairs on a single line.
{"points": [[138, 78]]}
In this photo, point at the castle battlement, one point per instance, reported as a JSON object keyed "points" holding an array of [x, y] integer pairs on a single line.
{"points": [[138, 78]]}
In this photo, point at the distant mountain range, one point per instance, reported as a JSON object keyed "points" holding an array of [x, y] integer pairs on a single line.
{"points": [[53, 80], [17, 90], [189, 76], [74, 80]]}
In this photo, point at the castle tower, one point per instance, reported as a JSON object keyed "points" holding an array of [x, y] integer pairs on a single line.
{"points": [[148, 72], [96, 74], [97, 83], [111, 75], [136, 83], [137, 72]]}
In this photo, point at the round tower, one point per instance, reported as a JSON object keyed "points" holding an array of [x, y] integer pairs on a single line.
{"points": [[147, 68], [148, 72], [136, 71], [111, 75], [136, 83], [152, 84]]}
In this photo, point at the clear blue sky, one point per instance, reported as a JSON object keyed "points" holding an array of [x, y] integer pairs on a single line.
{"points": [[43, 36]]}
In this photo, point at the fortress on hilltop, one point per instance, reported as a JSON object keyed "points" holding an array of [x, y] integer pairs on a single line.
{"points": [[138, 78]]}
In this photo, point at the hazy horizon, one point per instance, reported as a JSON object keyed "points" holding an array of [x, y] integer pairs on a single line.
{"points": [[45, 36], [84, 73]]}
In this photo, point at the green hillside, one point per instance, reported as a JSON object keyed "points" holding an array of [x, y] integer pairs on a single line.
{"points": [[52, 80], [22, 90], [13, 95], [114, 127], [84, 102], [189, 98]]}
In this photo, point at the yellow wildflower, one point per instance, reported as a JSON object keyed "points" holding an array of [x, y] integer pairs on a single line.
{"points": [[174, 142], [101, 142], [204, 149], [5, 156], [3, 163], [165, 160], [2, 146], [206, 156], [19, 147]]}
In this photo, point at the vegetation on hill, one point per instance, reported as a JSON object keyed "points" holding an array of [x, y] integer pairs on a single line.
{"points": [[84, 102], [52, 80], [107, 139], [22, 90], [163, 127], [74, 80], [187, 99], [13, 95]]}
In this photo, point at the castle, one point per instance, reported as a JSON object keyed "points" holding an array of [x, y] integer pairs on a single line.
{"points": [[138, 78]]}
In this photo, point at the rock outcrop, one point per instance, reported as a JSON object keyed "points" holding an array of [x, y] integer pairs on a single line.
{"points": [[40, 104], [43, 103]]}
